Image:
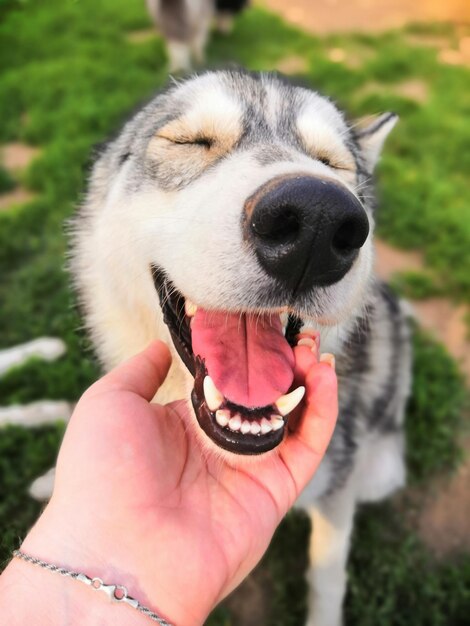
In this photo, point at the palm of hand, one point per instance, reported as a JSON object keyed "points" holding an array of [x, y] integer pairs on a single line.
{"points": [[136, 487]]}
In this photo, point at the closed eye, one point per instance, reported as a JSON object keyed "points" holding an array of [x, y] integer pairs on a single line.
{"points": [[203, 142], [337, 159], [324, 143], [325, 160], [335, 164]]}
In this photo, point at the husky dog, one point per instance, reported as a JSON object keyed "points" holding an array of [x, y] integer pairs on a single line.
{"points": [[231, 212], [185, 26]]}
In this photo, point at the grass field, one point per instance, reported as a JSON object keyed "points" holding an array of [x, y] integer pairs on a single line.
{"points": [[68, 77]]}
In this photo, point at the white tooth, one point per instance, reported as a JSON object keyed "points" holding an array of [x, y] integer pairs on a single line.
{"points": [[235, 422], [222, 417], [212, 395], [245, 427], [276, 422], [255, 428], [306, 341], [190, 308], [287, 403], [265, 426]]}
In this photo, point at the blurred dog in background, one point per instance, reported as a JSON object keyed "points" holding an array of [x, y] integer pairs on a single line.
{"points": [[185, 26]]}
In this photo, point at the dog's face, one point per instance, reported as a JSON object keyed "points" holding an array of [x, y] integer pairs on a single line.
{"points": [[246, 203]]}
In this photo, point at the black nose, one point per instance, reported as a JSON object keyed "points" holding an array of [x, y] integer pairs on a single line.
{"points": [[306, 231]]}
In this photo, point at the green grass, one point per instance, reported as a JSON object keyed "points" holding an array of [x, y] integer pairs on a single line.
{"points": [[68, 78], [6, 181], [435, 410], [416, 285], [394, 580]]}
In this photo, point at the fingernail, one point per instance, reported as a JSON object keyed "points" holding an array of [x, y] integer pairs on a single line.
{"points": [[310, 335], [306, 341], [309, 342], [329, 359]]}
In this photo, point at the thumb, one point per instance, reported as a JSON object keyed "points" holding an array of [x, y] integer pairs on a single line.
{"points": [[143, 374], [305, 448]]}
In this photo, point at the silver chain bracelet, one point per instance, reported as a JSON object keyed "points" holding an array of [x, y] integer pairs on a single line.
{"points": [[116, 593]]}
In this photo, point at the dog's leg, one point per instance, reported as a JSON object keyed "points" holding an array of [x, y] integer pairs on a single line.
{"points": [[224, 21], [332, 523], [179, 54], [198, 48], [199, 42]]}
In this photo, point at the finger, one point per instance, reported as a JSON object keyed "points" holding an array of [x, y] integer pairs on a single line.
{"points": [[309, 337], [321, 407], [142, 374], [304, 449], [305, 358]]}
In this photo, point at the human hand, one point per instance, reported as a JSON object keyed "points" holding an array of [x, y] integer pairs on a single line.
{"points": [[138, 501]]}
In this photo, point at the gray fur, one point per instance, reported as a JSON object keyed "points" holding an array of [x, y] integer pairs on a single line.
{"points": [[366, 402], [275, 137], [172, 18], [370, 401], [372, 346]]}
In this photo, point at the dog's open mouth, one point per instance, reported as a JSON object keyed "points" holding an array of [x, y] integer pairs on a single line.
{"points": [[243, 369]]}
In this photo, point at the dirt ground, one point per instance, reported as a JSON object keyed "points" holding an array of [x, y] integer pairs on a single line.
{"points": [[14, 198], [16, 157], [329, 16], [443, 318], [443, 516]]}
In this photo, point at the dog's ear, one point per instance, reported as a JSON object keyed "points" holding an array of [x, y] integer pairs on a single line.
{"points": [[371, 133]]}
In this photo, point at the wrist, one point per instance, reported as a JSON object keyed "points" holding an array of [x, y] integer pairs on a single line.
{"points": [[32, 595], [112, 560]]}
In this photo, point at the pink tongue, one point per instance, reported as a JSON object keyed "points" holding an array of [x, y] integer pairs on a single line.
{"points": [[246, 356]]}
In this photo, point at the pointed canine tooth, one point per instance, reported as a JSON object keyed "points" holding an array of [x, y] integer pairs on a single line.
{"points": [[245, 428], [255, 428], [212, 395], [265, 426], [287, 403], [222, 417], [235, 422], [190, 308], [276, 422]]}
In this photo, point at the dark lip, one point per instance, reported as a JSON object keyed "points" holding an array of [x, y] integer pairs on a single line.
{"points": [[174, 316], [224, 438], [172, 304]]}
